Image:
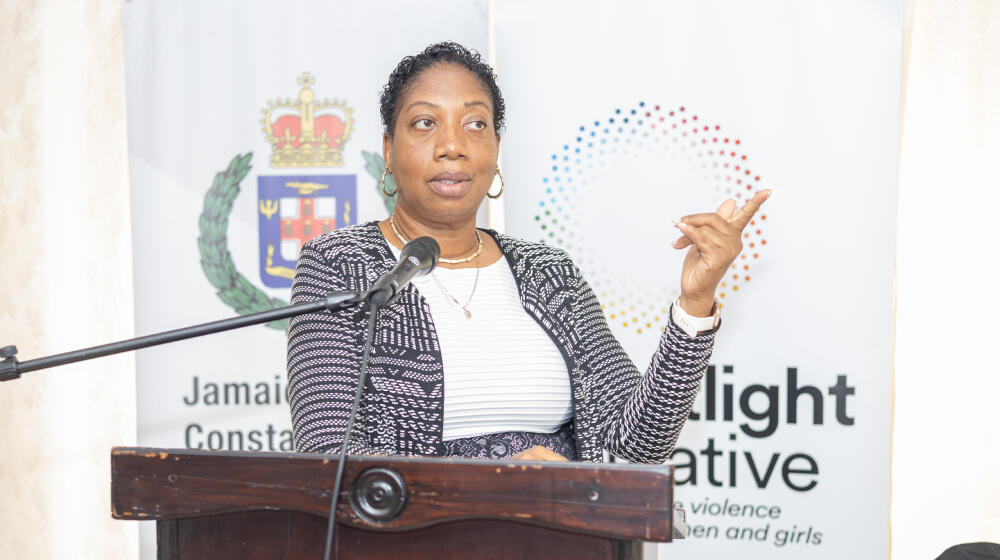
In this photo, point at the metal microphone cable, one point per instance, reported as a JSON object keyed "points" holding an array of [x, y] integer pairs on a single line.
{"points": [[331, 530]]}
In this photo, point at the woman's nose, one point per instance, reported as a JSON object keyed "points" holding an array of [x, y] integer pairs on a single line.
{"points": [[450, 142]]}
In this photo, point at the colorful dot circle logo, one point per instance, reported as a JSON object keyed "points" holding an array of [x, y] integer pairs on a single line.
{"points": [[590, 187]]}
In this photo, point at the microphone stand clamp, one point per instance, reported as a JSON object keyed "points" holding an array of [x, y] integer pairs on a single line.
{"points": [[8, 366]]}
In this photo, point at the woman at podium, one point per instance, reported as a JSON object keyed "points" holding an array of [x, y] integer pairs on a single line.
{"points": [[503, 350]]}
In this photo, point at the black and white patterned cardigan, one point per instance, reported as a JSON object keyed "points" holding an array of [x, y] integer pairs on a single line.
{"points": [[635, 417]]}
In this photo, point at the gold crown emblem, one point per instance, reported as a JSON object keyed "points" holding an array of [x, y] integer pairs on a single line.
{"points": [[306, 132]]}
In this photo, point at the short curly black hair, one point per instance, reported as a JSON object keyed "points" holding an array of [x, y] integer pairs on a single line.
{"points": [[446, 52]]}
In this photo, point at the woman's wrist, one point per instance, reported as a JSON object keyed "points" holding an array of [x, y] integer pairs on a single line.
{"points": [[696, 307]]}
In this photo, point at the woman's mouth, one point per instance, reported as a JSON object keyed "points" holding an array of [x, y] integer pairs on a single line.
{"points": [[451, 184]]}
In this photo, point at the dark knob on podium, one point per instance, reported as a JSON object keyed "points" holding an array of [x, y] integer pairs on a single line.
{"points": [[378, 495]]}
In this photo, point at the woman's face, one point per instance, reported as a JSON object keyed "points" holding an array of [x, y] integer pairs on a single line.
{"points": [[443, 151]]}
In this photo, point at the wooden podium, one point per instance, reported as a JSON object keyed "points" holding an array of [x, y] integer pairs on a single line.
{"points": [[216, 504]]}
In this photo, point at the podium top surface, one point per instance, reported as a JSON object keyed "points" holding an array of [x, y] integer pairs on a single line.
{"points": [[392, 493]]}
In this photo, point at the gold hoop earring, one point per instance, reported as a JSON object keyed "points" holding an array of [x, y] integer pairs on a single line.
{"points": [[382, 182], [499, 194]]}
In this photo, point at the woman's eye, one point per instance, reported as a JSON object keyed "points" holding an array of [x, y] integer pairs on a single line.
{"points": [[423, 124], [478, 125]]}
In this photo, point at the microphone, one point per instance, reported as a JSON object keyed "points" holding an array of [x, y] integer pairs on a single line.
{"points": [[417, 258]]}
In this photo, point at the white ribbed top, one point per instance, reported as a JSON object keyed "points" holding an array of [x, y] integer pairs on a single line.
{"points": [[502, 372]]}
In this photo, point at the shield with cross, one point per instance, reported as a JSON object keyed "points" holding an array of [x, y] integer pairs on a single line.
{"points": [[292, 209]]}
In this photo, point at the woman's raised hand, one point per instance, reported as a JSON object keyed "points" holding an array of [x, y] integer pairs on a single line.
{"points": [[715, 241]]}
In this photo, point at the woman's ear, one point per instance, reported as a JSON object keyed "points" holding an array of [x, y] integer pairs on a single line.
{"points": [[387, 149]]}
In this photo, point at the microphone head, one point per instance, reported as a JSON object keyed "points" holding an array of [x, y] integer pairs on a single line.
{"points": [[425, 251]]}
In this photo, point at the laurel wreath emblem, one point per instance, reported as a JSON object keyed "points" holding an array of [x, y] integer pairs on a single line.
{"points": [[213, 245]]}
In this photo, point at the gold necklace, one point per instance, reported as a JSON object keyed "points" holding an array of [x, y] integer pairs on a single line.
{"points": [[465, 308], [479, 249]]}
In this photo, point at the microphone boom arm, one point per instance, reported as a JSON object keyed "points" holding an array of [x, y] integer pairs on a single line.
{"points": [[11, 369]]}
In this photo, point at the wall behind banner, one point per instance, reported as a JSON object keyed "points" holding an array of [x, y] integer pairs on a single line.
{"points": [[65, 277], [946, 436]]}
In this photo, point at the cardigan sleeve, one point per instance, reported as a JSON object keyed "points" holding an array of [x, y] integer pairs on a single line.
{"points": [[639, 417], [324, 361]]}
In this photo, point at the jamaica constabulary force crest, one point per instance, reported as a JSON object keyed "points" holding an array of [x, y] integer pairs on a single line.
{"points": [[304, 134], [292, 209]]}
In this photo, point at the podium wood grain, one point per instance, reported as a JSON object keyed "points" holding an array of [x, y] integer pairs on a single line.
{"points": [[274, 505]]}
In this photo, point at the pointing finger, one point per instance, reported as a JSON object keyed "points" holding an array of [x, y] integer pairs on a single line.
{"points": [[742, 216]]}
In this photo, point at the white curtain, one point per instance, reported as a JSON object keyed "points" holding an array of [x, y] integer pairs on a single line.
{"points": [[65, 277], [946, 436]]}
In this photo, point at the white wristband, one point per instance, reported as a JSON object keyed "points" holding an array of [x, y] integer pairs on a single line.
{"points": [[693, 325]]}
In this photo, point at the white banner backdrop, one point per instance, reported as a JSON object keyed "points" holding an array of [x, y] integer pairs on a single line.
{"points": [[207, 83], [792, 426], [623, 116]]}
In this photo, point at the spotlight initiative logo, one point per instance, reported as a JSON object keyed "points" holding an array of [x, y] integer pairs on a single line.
{"points": [[719, 159]]}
